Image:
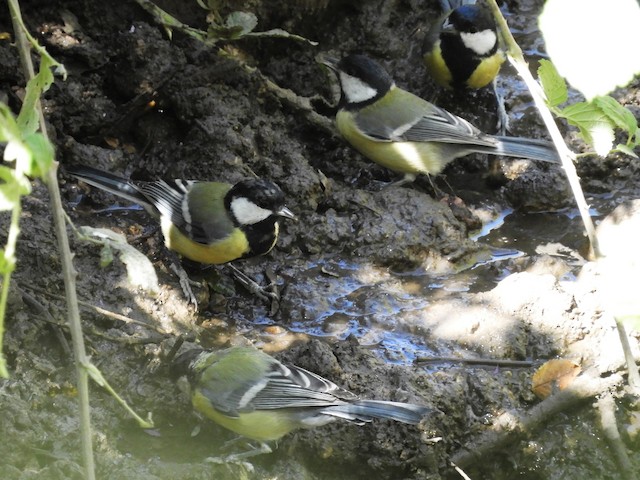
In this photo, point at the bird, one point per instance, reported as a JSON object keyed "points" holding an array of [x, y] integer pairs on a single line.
{"points": [[407, 134], [463, 52], [254, 395], [206, 222], [462, 49]]}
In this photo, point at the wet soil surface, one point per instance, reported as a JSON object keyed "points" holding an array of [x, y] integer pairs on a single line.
{"points": [[372, 279]]}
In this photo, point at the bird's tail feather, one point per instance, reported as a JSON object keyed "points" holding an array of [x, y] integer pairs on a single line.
{"points": [[527, 148], [365, 410], [111, 183]]}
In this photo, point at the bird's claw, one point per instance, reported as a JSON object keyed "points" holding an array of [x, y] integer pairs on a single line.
{"points": [[185, 283]]}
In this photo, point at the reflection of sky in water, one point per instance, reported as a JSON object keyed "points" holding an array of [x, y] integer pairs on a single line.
{"points": [[385, 310]]}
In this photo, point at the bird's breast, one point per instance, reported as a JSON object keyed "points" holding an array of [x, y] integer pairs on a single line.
{"points": [[227, 249]]}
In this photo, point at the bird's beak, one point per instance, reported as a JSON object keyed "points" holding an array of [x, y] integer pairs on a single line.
{"points": [[328, 61], [286, 213]]}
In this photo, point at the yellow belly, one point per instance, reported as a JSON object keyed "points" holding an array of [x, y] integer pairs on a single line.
{"points": [[402, 157], [226, 250], [259, 425], [438, 68], [482, 76]]}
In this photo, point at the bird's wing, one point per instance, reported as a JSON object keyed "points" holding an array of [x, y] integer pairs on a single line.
{"points": [[195, 208], [417, 121], [438, 125], [245, 379], [295, 387]]}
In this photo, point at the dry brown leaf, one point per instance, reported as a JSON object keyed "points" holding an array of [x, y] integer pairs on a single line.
{"points": [[553, 375]]}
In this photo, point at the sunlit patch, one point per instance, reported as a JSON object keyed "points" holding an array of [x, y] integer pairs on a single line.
{"points": [[603, 138], [600, 54], [410, 153]]}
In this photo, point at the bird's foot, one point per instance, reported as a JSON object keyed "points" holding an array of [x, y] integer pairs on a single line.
{"points": [[240, 458], [501, 111], [185, 283], [266, 293]]}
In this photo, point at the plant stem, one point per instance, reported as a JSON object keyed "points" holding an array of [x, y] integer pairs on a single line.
{"points": [[10, 262], [633, 378], [68, 271], [514, 53], [516, 58]]}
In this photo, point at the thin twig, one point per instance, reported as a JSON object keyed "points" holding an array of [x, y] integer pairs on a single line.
{"points": [[102, 311], [633, 377], [492, 362], [65, 254], [511, 426], [460, 471], [606, 407]]}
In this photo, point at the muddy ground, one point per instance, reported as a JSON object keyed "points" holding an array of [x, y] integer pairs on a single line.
{"points": [[214, 116]]}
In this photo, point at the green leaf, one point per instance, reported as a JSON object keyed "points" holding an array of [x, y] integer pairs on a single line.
{"points": [[106, 255], [595, 127], [237, 25], [42, 155], [8, 126], [619, 115], [11, 188], [17, 151], [554, 86], [246, 21], [28, 120], [621, 147]]}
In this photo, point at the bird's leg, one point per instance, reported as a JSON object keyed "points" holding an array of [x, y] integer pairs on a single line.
{"points": [[261, 449], [503, 118], [252, 286], [185, 282], [406, 178]]}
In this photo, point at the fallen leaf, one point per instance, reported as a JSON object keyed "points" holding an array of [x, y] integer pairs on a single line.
{"points": [[554, 375]]}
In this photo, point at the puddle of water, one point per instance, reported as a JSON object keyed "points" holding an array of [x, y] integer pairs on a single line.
{"points": [[385, 310]]}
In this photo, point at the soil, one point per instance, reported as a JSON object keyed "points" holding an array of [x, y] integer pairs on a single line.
{"points": [[145, 105]]}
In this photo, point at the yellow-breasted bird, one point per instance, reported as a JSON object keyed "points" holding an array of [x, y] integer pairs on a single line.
{"points": [[254, 395], [407, 134], [462, 48], [207, 222]]}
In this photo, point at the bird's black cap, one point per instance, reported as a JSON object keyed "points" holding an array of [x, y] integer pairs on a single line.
{"points": [[472, 19], [264, 193], [181, 365]]}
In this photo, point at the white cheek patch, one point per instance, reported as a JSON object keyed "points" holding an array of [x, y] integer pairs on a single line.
{"points": [[355, 89], [247, 212], [480, 42]]}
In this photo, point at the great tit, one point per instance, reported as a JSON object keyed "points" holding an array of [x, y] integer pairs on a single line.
{"points": [[207, 222], [462, 48], [254, 395], [407, 134]]}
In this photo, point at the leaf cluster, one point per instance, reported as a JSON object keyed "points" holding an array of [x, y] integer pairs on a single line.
{"points": [[597, 120], [235, 26]]}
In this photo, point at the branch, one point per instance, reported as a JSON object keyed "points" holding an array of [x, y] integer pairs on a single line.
{"points": [[513, 425], [606, 407]]}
